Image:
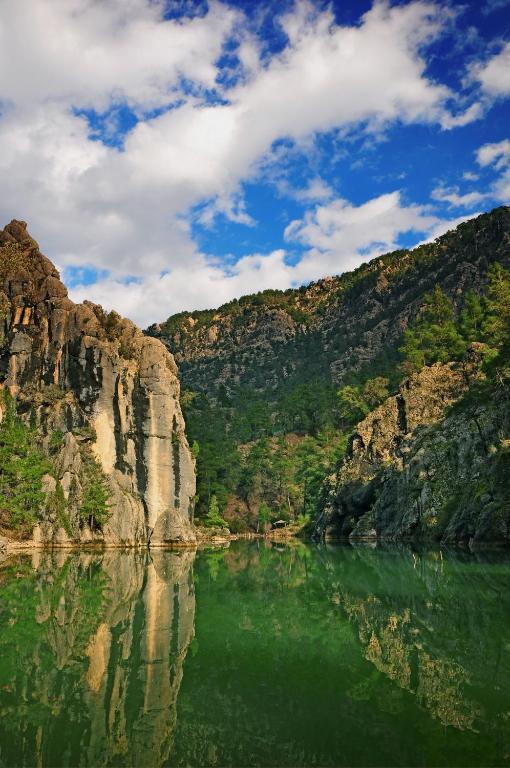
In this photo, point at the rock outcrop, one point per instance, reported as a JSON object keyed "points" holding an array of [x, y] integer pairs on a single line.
{"points": [[97, 390], [431, 463]]}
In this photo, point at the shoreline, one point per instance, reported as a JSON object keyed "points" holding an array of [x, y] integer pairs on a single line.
{"points": [[13, 546]]}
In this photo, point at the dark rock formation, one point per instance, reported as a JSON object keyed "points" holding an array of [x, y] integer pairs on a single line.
{"points": [[111, 394], [420, 469]]}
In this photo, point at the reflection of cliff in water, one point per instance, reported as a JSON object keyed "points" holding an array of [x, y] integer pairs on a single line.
{"points": [[436, 626], [91, 656]]}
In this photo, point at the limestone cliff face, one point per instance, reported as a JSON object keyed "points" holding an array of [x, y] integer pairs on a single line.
{"points": [[107, 391], [419, 469]]}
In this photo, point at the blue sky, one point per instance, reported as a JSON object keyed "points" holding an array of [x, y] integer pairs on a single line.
{"points": [[169, 156]]}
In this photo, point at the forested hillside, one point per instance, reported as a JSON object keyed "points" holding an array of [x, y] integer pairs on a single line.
{"points": [[274, 383]]}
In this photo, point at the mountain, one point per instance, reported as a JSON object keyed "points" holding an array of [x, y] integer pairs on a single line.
{"points": [[261, 374], [92, 440]]}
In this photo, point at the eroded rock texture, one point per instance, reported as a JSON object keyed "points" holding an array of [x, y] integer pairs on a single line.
{"points": [[419, 468], [105, 390]]}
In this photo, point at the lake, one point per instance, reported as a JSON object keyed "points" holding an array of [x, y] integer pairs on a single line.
{"points": [[257, 654]]}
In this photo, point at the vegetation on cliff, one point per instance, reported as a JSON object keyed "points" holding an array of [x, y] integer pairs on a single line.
{"points": [[100, 401], [30, 490], [22, 468]]}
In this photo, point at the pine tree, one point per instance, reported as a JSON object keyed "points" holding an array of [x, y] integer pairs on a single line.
{"points": [[22, 466], [95, 506], [497, 322], [472, 317], [213, 519], [434, 338], [351, 405]]}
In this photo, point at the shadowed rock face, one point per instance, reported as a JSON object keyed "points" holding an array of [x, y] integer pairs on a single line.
{"points": [[103, 666], [419, 469], [107, 388]]}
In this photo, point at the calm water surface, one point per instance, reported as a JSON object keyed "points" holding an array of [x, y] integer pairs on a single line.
{"points": [[255, 655]]}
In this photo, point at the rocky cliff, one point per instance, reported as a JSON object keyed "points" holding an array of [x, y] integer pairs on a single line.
{"points": [[100, 394], [431, 462]]}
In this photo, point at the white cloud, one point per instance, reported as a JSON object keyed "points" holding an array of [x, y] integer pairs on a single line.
{"points": [[497, 156], [446, 225], [128, 211], [200, 284], [340, 236], [316, 190], [452, 196], [494, 5], [89, 53], [494, 75]]}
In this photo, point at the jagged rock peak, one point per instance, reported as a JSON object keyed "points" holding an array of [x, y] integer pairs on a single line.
{"points": [[111, 392]]}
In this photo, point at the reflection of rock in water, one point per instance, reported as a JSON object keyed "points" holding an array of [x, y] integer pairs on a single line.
{"points": [[169, 620], [103, 658], [432, 626]]}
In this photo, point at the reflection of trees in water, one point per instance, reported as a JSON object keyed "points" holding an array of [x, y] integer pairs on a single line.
{"points": [[91, 656], [435, 625]]}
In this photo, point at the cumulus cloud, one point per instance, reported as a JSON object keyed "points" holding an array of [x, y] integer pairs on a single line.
{"points": [[337, 236], [497, 156], [315, 190], [201, 285], [340, 235], [128, 211], [452, 196], [494, 75], [89, 53]]}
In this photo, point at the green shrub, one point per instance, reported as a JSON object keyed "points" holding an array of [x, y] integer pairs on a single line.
{"points": [[435, 336], [56, 504], [56, 440], [22, 467]]}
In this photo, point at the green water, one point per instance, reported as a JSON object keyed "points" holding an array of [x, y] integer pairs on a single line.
{"points": [[255, 655]]}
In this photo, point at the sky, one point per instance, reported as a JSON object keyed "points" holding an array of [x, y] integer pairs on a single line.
{"points": [[170, 155]]}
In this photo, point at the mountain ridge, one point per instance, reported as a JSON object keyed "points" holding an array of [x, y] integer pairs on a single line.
{"points": [[269, 365]]}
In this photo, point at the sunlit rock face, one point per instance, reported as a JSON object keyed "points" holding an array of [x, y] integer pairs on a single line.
{"points": [[108, 638], [99, 382]]}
